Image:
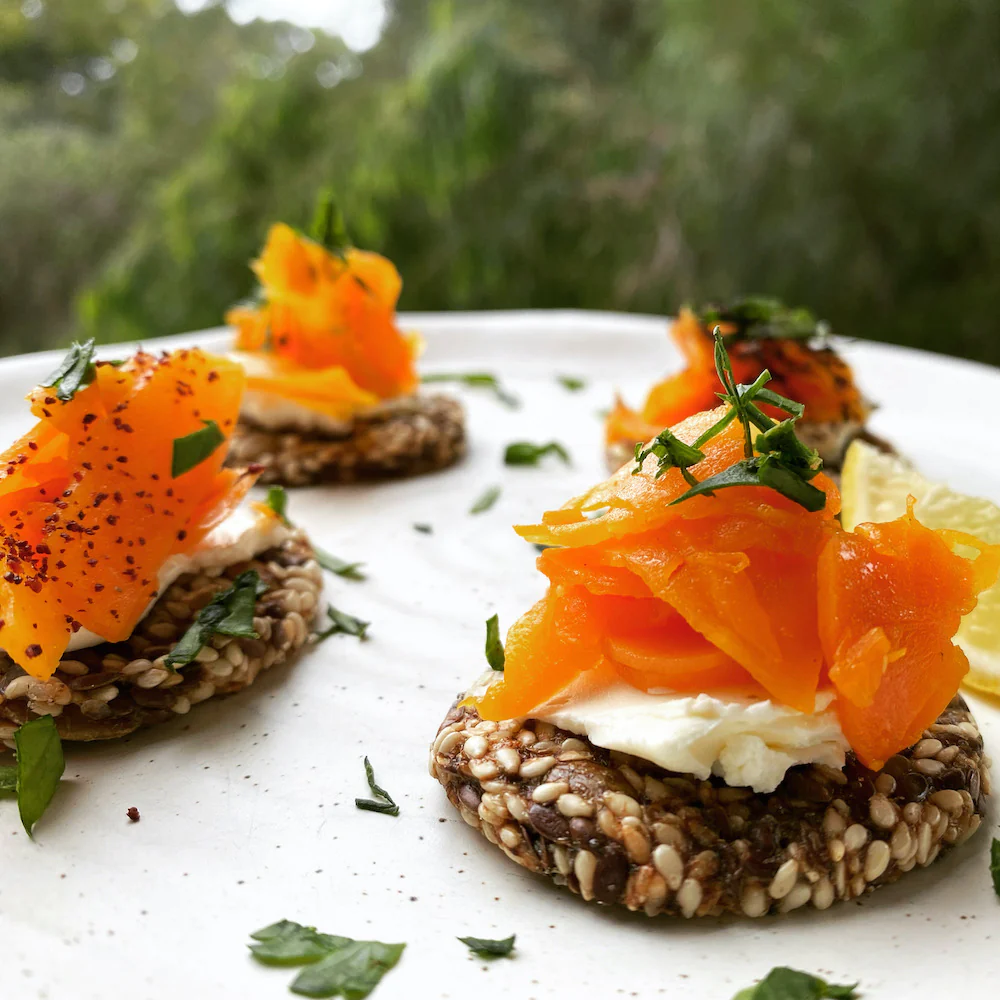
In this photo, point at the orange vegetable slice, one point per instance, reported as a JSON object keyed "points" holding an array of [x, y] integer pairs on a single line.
{"points": [[547, 648], [327, 324], [815, 376], [89, 555], [891, 597], [653, 648]]}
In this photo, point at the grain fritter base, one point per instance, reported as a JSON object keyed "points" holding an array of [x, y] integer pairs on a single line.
{"points": [[113, 689], [616, 829], [421, 435]]}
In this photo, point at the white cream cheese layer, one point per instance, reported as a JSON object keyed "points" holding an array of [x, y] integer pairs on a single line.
{"points": [[274, 412], [241, 536], [745, 741]]}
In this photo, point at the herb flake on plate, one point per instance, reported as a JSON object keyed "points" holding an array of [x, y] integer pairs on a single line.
{"points": [[571, 383], [40, 765], [333, 564], [423, 528], [334, 965], [526, 453], [75, 373], [476, 380], [194, 448], [495, 655], [783, 983], [230, 612], [383, 802], [488, 498], [490, 947], [343, 624], [995, 864]]}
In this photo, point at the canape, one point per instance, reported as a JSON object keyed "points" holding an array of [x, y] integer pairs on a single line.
{"points": [[137, 581], [759, 333], [331, 379], [726, 702]]}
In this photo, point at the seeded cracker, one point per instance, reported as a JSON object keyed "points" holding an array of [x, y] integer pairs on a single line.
{"points": [[417, 434], [616, 829], [114, 689]]}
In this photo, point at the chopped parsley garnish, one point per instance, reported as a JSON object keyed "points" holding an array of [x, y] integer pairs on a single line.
{"points": [[76, 371], [759, 318], [495, 656], [194, 448], [571, 383], [489, 947], [476, 380], [782, 462], [382, 803], [995, 864], [334, 965], [343, 623], [40, 764], [277, 500], [332, 564], [230, 612], [489, 497], [526, 453], [783, 983], [424, 529]]}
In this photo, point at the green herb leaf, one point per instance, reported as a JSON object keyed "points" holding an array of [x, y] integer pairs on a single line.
{"points": [[194, 448], [495, 656], [382, 803], [783, 983], [40, 765], [476, 380], [289, 943], [571, 383], [230, 612], [489, 497], [760, 471], [277, 500], [424, 529], [8, 779], [76, 371], [351, 972], [526, 453], [335, 966], [995, 864], [488, 947], [759, 318], [345, 624], [328, 228], [671, 453], [330, 562]]}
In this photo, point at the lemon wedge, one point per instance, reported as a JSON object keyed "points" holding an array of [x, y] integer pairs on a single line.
{"points": [[874, 487]]}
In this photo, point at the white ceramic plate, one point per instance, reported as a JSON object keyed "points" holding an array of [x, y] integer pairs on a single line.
{"points": [[247, 804]]}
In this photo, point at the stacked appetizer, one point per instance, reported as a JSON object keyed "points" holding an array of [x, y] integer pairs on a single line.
{"points": [[759, 334], [725, 700], [136, 580], [331, 380]]}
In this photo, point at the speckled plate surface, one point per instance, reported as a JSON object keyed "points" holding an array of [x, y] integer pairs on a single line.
{"points": [[247, 804]]}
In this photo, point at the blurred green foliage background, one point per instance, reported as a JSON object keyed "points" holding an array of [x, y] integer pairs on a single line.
{"points": [[608, 154]]}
